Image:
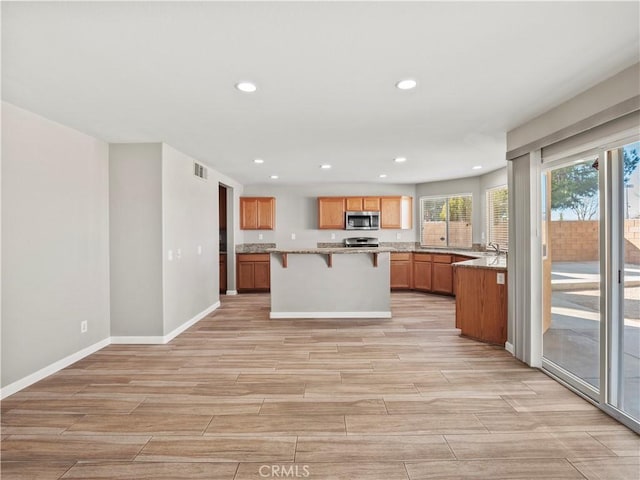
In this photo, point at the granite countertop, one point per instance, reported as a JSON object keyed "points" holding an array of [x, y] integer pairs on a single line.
{"points": [[492, 262], [327, 250], [335, 247], [254, 247]]}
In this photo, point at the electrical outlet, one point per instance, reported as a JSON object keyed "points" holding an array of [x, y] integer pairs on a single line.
{"points": [[170, 255], [500, 278], [398, 236], [260, 236], [199, 249], [293, 236], [333, 236], [178, 254], [83, 326]]}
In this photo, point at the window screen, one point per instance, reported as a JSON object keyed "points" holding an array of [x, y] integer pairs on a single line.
{"points": [[446, 221]]}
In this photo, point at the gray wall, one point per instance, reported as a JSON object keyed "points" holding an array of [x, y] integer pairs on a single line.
{"points": [[190, 220], [351, 285], [618, 88], [55, 242], [135, 211], [476, 186], [297, 212]]}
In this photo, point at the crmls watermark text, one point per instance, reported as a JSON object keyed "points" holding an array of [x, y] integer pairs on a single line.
{"points": [[284, 471]]}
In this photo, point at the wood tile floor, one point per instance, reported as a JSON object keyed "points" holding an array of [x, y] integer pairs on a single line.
{"points": [[239, 396]]}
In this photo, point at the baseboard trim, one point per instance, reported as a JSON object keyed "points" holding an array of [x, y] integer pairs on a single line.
{"points": [[509, 348], [170, 336], [138, 340], [161, 340], [232, 292], [51, 369], [73, 358], [330, 315]]}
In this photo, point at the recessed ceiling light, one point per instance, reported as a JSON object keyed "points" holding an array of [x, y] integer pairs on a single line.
{"points": [[246, 87], [383, 175], [406, 84], [477, 167], [325, 166], [258, 160], [400, 159], [273, 177]]}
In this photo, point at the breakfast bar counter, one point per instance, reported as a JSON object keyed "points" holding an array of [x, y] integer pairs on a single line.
{"points": [[330, 283]]}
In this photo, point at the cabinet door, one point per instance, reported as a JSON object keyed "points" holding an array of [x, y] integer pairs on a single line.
{"points": [[266, 213], [390, 212], [442, 281], [371, 204], [245, 276], [354, 204], [422, 276], [396, 212], [400, 275], [331, 213], [261, 276], [248, 213]]}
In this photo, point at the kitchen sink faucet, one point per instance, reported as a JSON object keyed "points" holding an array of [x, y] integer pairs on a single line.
{"points": [[495, 246]]}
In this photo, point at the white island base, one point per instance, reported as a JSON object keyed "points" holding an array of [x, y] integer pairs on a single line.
{"points": [[330, 283]]}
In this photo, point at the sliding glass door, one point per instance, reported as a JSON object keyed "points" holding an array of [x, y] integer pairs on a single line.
{"points": [[590, 207], [624, 325], [571, 273]]}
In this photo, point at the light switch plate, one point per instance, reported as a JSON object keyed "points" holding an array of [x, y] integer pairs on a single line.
{"points": [[199, 249], [293, 236], [500, 278], [170, 255]]}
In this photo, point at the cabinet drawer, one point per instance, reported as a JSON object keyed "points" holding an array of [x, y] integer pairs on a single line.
{"points": [[442, 258], [398, 256], [253, 257], [422, 257]]}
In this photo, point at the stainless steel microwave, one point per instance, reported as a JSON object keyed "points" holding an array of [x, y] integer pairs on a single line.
{"points": [[362, 220]]}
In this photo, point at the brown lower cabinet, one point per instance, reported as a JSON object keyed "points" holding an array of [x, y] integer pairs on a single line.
{"points": [[401, 271], [442, 280], [481, 304], [223, 273], [253, 272], [425, 272], [422, 271]]}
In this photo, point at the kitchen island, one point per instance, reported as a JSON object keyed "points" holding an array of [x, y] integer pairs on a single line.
{"points": [[330, 283]]}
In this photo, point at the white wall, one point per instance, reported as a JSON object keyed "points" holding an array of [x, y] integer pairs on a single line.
{"points": [[189, 221], [297, 212], [135, 231], [55, 242]]}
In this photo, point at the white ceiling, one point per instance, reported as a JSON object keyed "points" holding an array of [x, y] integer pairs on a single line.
{"points": [[148, 72]]}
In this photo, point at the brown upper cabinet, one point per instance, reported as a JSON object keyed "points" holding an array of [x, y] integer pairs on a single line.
{"points": [[257, 213], [331, 213], [360, 204], [396, 212]]}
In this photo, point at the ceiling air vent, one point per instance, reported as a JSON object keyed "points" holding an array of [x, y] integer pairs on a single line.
{"points": [[200, 170]]}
